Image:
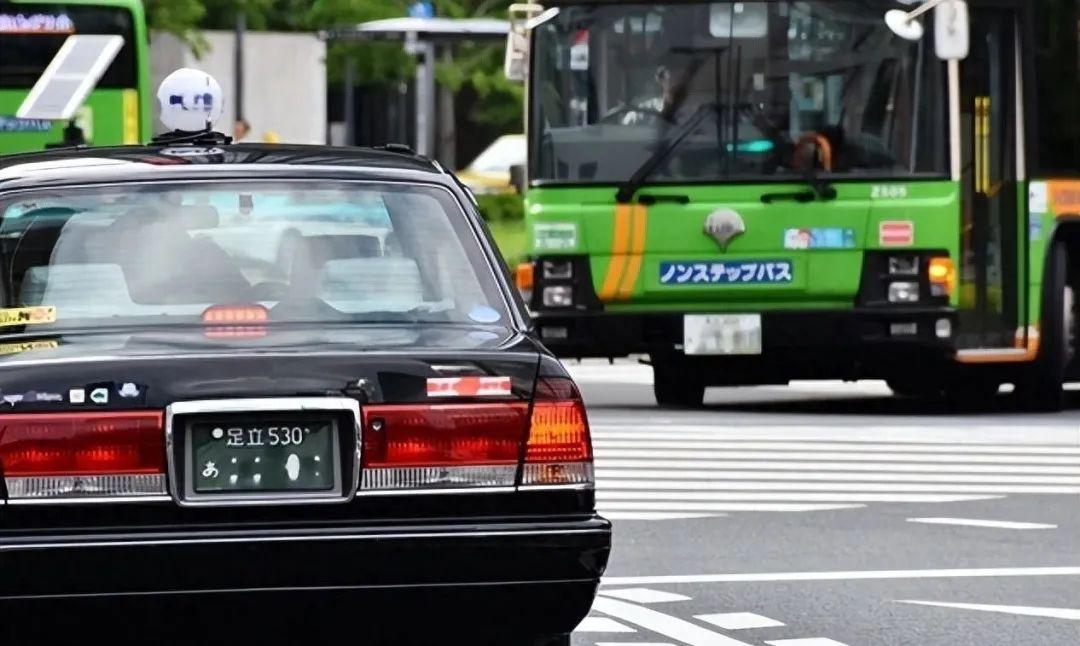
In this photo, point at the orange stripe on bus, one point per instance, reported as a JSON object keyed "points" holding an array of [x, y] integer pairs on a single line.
{"points": [[637, 250], [620, 240]]}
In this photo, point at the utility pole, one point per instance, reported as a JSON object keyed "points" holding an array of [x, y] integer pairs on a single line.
{"points": [[238, 62]]}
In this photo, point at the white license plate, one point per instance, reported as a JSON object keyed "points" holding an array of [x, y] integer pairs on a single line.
{"points": [[722, 334]]}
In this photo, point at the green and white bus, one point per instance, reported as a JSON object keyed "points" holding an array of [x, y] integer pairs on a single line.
{"points": [[755, 192], [116, 111]]}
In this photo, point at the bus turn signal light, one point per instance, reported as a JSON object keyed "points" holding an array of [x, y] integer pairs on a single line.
{"points": [[942, 276]]}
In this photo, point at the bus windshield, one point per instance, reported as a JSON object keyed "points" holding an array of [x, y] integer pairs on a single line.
{"points": [[31, 34], [741, 87]]}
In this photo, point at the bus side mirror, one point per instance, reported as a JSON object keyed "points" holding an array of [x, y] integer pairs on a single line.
{"points": [[517, 178], [516, 62], [952, 30], [952, 27]]}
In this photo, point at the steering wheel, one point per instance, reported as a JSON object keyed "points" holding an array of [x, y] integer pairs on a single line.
{"points": [[821, 144], [613, 117]]}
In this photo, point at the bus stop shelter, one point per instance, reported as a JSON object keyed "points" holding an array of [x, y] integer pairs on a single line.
{"points": [[421, 38]]}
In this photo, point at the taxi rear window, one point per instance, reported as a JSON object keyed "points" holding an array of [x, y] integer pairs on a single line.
{"points": [[310, 252]]}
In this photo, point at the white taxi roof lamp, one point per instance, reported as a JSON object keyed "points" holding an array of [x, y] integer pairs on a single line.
{"points": [[951, 26], [191, 101]]}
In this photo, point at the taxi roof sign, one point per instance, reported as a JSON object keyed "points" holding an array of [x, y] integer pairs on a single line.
{"points": [[191, 100]]}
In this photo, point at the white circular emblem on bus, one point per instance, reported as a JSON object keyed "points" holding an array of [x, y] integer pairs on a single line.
{"points": [[191, 100]]}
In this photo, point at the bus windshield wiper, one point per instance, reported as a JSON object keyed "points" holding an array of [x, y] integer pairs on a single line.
{"points": [[626, 192], [819, 189]]}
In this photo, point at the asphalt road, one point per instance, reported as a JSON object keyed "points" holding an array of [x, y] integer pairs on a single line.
{"points": [[832, 514]]}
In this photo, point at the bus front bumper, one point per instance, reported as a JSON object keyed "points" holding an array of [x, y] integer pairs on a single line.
{"points": [[867, 342]]}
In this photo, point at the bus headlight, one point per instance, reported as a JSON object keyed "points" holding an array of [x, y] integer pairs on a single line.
{"points": [[903, 265], [904, 292], [558, 296], [558, 269]]}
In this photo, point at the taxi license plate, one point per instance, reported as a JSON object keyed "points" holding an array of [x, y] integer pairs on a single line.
{"points": [[722, 334], [267, 455]]}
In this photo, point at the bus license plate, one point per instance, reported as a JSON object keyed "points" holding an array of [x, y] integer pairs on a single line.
{"points": [[722, 334]]}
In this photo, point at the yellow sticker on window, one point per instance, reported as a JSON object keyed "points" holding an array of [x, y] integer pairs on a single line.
{"points": [[27, 316], [16, 348]]}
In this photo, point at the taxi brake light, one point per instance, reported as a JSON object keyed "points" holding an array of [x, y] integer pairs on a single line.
{"points": [[235, 321], [56, 455]]}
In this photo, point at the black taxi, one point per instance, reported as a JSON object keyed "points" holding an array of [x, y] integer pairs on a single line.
{"points": [[277, 390]]}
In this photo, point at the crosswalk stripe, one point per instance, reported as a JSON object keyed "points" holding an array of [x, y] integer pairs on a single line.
{"points": [[609, 462], [700, 474], [634, 441], [604, 495], [1066, 436], [705, 485], [612, 452], [711, 506]]}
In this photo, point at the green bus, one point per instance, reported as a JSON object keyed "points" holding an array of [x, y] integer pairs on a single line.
{"points": [[117, 110], [756, 192]]}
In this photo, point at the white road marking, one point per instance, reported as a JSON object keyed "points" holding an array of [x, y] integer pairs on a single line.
{"points": [[962, 458], [602, 625], [645, 595], [1030, 611], [699, 474], [634, 644], [854, 575], [617, 462], [607, 494], [719, 506], [695, 442], [654, 515], [974, 522], [812, 641], [663, 624], [1020, 433], [739, 620], [705, 485]]}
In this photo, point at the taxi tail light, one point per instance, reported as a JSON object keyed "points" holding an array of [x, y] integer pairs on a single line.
{"points": [[942, 274], [559, 448], [71, 455], [447, 446]]}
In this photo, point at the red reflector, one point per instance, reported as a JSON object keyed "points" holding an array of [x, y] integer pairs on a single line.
{"points": [[81, 443], [443, 435], [559, 430]]}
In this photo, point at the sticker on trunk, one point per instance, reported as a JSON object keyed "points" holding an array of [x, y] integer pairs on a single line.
{"points": [[731, 272], [27, 316], [896, 233], [468, 386]]}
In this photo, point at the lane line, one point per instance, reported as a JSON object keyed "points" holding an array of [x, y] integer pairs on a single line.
{"points": [[689, 474], [824, 456], [1022, 433], [707, 506], [645, 595], [662, 624], [854, 575], [975, 522], [603, 494], [739, 620], [655, 515], [660, 484], [607, 460], [1030, 611], [812, 641], [602, 625], [663, 441]]}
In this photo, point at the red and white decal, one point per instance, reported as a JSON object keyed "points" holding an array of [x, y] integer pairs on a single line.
{"points": [[468, 386], [900, 233]]}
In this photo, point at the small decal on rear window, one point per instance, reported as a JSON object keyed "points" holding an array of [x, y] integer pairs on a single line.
{"points": [[468, 386], [555, 236], [27, 316]]}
